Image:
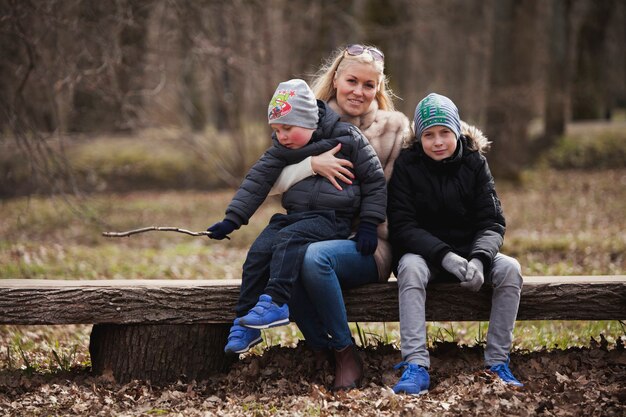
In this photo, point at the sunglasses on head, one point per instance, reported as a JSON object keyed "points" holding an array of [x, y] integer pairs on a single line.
{"points": [[356, 50]]}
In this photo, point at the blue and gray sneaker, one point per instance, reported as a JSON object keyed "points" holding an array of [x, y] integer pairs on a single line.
{"points": [[414, 380], [504, 373], [265, 314], [241, 339]]}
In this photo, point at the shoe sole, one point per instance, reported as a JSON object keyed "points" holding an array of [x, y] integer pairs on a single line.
{"points": [[265, 326], [411, 393], [247, 348], [513, 384]]}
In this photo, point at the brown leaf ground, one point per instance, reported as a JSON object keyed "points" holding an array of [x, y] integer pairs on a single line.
{"points": [[587, 381]]}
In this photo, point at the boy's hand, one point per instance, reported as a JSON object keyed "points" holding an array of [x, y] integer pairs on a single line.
{"points": [[366, 238], [220, 230], [455, 265], [475, 277]]}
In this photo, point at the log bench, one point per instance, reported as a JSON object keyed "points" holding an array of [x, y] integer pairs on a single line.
{"points": [[164, 330]]}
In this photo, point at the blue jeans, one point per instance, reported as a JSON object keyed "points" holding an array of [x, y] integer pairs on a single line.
{"points": [[317, 301], [274, 260]]}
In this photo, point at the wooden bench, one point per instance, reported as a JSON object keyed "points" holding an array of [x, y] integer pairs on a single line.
{"points": [[162, 330]]}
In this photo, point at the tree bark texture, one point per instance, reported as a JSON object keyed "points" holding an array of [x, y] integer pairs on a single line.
{"points": [[159, 353], [589, 94], [213, 301], [558, 73], [512, 69]]}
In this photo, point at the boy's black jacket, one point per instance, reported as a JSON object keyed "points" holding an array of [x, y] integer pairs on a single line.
{"points": [[451, 205]]}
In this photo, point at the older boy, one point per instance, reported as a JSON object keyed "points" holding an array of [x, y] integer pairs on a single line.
{"points": [[445, 219]]}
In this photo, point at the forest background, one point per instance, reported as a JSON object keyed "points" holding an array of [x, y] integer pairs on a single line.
{"points": [[117, 115], [188, 82]]}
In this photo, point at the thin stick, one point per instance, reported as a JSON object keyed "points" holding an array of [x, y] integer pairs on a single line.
{"points": [[156, 228]]}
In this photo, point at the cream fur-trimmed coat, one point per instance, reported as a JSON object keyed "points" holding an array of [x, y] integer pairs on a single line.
{"points": [[386, 131]]}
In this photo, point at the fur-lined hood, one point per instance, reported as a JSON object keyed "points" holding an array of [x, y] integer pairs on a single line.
{"points": [[476, 139]]}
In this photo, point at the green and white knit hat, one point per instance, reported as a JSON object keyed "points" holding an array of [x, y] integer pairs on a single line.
{"points": [[436, 110]]}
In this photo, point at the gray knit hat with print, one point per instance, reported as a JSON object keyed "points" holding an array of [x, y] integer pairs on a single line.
{"points": [[293, 103], [436, 110]]}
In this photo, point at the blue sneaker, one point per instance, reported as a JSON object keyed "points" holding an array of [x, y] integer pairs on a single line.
{"points": [[265, 314], [504, 373], [241, 339], [414, 381]]}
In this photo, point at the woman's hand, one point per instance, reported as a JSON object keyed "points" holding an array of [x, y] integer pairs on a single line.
{"points": [[332, 168]]}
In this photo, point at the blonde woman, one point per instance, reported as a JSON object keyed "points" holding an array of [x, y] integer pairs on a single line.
{"points": [[353, 83]]}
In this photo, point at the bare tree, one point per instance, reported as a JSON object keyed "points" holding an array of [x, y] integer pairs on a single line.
{"points": [[208, 67], [558, 71], [512, 71], [589, 95], [55, 56], [32, 107]]}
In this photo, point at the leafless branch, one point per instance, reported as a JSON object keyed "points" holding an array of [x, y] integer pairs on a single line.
{"points": [[156, 228]]}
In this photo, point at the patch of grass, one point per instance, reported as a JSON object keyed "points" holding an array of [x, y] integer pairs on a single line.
{"points": [[188, 260], [283, 336], [41, 238], [141, 163], [567, 223], [45, 349], [367, 337], [153, 159], [64, 358], [603, 150], [528, 335], [29, 366], [537, 335], [553, 227]]}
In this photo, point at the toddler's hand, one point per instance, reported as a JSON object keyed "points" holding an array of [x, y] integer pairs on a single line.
{"points": [[366, 238], [221, 229]]}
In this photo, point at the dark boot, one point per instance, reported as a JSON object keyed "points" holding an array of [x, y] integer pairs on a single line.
{"points": [[321, 358], [348, 369]]}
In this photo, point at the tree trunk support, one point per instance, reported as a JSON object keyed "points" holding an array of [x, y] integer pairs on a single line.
{"points": [[160, 353]]}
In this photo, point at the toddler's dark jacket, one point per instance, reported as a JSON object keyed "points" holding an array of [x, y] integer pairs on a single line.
{"points": [[367, 196]]}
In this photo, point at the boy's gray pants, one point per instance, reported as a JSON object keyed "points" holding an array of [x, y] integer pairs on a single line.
{"points": [[414, 275]]}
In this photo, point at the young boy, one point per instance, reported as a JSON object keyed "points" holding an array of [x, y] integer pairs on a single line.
{"points": [[445, 221], [316, 210]]}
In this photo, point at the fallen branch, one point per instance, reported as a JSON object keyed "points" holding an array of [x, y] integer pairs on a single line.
{"points": [[158, 229]]}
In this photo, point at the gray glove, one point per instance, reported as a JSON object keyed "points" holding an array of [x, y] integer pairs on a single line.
{"points": [[475, 277], [455, 265]]}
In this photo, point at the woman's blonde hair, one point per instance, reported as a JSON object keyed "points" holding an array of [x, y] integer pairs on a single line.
{"points": [[322, 84]]}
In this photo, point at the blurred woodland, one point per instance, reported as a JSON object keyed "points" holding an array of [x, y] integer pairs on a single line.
{"points": [[520, 69]]}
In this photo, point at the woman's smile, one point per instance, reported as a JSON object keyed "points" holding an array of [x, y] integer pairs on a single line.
{"points": [[356, 87]]}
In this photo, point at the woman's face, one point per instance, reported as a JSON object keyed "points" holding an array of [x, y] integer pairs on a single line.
{"points": [[356, 87]]}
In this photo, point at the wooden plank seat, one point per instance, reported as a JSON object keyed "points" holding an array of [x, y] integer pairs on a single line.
{"points": [[162, 330]]}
